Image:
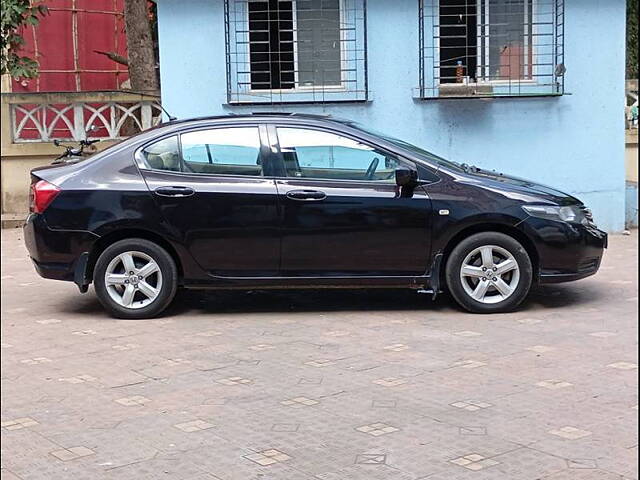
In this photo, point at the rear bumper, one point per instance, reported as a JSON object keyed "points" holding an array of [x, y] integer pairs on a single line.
{"points": [[566, 252], [58, 254]]}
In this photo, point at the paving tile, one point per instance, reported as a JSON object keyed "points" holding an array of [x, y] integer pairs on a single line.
{"points": [[397, 347], [623, 365], [371, 459], [390, 381], [36, 360], [603, 334], [377, 429], [469, 364], [554, 384], [78, 379], [19, 423], [467, 333], [234, 381], [320, 363], [193, 426], [48, 321], [529, 321], [133, 400], [474, 462], [299, 402], [540, 348], [84, 332], [473, 430], [285, 427], [124, 347], [209, 333], [570, 433], [261, 347], [72, 453], [268, 457], [582, 463], [471, 405]]}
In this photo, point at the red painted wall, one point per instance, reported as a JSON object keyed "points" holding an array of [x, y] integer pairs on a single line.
{"points": [[66, 53]]}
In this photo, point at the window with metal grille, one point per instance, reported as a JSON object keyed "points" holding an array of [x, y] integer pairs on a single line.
{"points": [[308, 51], [491, 48]]}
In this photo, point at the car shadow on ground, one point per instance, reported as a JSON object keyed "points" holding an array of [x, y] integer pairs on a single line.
{"points": [[328, 300]]}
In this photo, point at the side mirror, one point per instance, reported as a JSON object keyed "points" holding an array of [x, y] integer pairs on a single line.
{"points": [[406, 177]]}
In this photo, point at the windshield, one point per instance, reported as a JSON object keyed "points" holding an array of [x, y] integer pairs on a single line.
{"points": [[412, 148]]}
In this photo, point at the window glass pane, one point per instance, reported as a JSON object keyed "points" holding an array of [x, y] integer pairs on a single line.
{"points": [[457, 40], [509, 39], [271, 44], [318, 31], [222, 151], [273, 31], [163, 155], [323, 155]]}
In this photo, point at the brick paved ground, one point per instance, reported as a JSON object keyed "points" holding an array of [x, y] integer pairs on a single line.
{"points": [[329, 385]]}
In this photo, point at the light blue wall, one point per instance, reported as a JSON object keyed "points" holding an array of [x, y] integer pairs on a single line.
{"points": [[574, 142]]}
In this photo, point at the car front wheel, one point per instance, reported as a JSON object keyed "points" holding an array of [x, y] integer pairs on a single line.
{"points": [[489, 272], [135, 278]]}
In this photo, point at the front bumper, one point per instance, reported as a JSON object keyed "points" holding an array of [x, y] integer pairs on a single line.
{"points": [[58, 254], [566, 252]]}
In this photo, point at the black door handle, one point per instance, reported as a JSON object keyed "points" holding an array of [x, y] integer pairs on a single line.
{"points": [[306, 195], [175, 191]]}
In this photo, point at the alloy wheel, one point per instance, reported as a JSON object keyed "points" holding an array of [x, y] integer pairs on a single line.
{"points": [[133, 279], [489, 274]]}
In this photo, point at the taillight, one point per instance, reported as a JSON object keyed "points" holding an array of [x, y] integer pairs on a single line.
{"points": [[41, 195]]}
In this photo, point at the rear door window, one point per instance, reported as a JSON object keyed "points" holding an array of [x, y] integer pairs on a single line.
{"points": [[222, 151]]}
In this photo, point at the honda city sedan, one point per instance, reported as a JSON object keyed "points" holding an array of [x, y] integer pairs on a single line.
{"points": [[298, 201]]}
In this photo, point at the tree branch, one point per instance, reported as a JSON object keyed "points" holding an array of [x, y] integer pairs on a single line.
{"points": [[115, 57]]}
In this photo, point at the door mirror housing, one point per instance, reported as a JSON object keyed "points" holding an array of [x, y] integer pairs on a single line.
{"points": [[406, 177]]}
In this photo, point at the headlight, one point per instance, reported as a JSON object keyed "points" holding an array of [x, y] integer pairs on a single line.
{"points": [[570, 214]]}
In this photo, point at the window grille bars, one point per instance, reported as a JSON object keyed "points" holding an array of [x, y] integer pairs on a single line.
{"points": [[295, 51], [491, 48]]}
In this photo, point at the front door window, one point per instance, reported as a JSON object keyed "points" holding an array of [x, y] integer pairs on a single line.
{"points": [[322, 155]]}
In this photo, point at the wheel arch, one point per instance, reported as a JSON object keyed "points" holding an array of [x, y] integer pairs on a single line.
{"points": [[121, 234], [509, 230]]}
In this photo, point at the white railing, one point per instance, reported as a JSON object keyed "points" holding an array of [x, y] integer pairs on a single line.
{"points": [[44, 117]]}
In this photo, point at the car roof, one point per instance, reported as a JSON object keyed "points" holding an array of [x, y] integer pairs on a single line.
{"points": [[260, 115]]}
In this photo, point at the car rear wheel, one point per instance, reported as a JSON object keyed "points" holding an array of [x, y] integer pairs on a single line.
{"points": [[135, 278], [489, 272]]}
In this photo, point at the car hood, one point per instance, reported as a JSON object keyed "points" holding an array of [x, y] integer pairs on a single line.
{"points": [[527, 190]]}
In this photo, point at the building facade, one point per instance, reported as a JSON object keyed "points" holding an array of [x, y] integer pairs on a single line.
{"points": [[533, 88]]}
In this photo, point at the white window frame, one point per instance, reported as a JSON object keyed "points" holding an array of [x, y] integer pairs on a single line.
{"points": [[306, 88], [483, 23]]}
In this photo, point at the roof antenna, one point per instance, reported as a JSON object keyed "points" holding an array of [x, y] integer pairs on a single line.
{"points": [[171, 117]]}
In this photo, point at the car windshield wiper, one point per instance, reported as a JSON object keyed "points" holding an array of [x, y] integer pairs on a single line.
{"points": [[470, 168]]}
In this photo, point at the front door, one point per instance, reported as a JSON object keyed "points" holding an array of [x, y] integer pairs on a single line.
{"points": [[343, 214], [210, 188]]}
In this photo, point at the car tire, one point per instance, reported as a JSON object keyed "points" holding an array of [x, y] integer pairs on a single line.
{"points": [[489, 272], [145, 288]]}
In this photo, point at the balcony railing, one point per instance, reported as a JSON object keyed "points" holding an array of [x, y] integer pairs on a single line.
{"points": [[44, 117]]}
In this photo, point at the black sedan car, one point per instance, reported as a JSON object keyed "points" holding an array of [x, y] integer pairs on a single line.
{"points": [[298, 201]]}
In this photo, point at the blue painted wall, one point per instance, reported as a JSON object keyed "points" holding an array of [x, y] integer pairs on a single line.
{"points": [[574, 142]]}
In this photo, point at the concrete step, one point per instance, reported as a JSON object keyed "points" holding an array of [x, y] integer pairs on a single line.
{"points": [[13, 220]]}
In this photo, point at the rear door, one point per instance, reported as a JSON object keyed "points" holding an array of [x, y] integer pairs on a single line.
{"points": [[213, 188], [343, 214]]}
